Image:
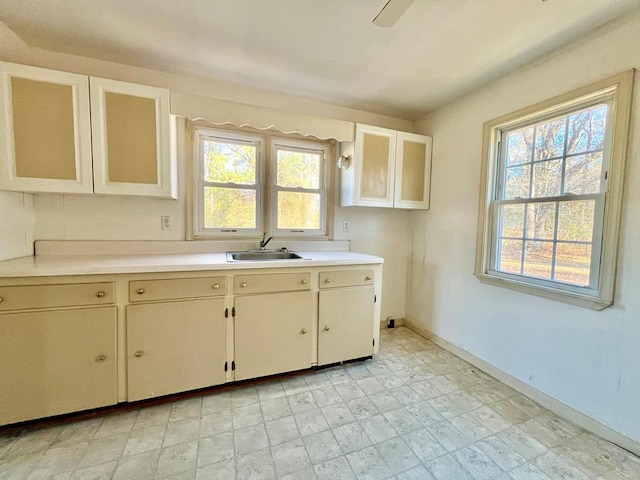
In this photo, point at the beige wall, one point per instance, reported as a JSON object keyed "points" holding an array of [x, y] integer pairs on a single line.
{"points": [[16, 224], [588, 360], [71, 217]]}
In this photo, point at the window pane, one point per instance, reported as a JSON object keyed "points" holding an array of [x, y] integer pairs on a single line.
{"points": [[517, 182], [226, 162], [298, 211], [583, 174], [541, 219], [519, 145], [573, 263], [538, 259], [587, 130], [575, 220], [550, 139], [547, 177], [229, 208], [510, 256], [512, 217], [298, 169]]}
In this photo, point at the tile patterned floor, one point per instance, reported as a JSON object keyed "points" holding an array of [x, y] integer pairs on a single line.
{"points": [[414, 412]]}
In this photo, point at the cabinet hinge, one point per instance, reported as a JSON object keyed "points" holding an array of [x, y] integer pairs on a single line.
{"points": [[233, 312], [374, 342], [375, 299], [226, 366], [226, 313], [233, 365]]}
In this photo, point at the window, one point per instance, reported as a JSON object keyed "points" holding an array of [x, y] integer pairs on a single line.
{"points": [[553, 181], [248, 184]]}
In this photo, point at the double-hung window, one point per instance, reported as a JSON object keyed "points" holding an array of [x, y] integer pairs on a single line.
{"points": [[553, 190], [247, 184]]}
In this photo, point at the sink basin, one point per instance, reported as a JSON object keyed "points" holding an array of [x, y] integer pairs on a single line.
{"points": [[261, 256]]}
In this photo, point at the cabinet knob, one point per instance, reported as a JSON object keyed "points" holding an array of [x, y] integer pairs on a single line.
{"points": [[100, 294], [140, 291], [326, 280], [303, 281], [138, 354], [303, 331], [216, 286], [243, 284], [1, 299], [100, 358], [368, 277], [326, 329]]}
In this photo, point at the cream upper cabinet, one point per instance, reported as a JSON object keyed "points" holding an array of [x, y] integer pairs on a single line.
{"points": [[69, 133], [45, 133], [130, 127], [389, 169]]}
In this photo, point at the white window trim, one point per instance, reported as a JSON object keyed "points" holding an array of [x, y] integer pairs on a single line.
{"points": [[199, 183], [619, 87], [311, 147]]}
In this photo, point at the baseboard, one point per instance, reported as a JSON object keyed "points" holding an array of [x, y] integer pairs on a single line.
{"points": [[550, 403]]}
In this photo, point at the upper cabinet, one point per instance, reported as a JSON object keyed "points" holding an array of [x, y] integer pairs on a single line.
{"points": [[69, 133], [389, 169]]}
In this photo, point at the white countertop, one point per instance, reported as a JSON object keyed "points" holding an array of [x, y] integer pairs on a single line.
{"points": [[55, 265]]}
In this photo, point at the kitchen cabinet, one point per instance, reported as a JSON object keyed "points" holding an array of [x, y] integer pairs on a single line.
{"points": [[345, 309], [389, 169], [175, 347], [70, 133], [273, 330], [57, 361]]}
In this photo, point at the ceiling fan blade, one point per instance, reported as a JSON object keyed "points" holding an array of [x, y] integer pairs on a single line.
{"points": [[391, 12]]}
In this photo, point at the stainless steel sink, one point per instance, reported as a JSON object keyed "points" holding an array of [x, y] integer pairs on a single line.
{"points": [[257, 256]]}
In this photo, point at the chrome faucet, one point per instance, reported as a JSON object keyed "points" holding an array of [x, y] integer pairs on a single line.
{"points": [[263, 242]]}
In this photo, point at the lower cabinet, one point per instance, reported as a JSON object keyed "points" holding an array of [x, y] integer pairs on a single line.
{"points": [[55, 362], [344, 318], [174, 347], [273, 333]]}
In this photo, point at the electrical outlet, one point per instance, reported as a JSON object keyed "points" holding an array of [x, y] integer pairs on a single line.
{"points": [[346, 226], [165, 221]]}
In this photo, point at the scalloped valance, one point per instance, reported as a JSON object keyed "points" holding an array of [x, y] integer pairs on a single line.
{"points": [[221, 112]]}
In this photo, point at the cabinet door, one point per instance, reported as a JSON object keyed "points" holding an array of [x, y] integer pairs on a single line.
{"points": [[45, 134], [131, 132], [413, 171], [345, 324], [55, 362], [374, 164], [174, 347], [273, 334]]}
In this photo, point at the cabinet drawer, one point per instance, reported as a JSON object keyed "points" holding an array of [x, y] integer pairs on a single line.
{"points": [[51, 296], [275, 282], [176, 288], [346, 278]]}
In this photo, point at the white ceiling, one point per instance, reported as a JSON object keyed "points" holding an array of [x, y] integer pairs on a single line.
{"points": [[323, 49]]}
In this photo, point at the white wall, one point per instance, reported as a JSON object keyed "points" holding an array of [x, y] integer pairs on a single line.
{"points": [[588, 360], [16, 224], [81, 217]]}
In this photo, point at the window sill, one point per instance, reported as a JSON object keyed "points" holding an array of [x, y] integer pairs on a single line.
{"points": [[572, 298]]}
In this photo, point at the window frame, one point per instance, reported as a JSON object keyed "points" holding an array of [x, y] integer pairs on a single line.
{"points": [[266, 209], [600, 293], [298, 145]]}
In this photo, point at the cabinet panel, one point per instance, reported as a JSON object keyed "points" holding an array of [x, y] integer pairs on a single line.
{"points": [[177, 288], [272, 282], [374, 164], [346, 278], [413, 171], [131, 131], [273, 334], [345, 324], [56, 362], [53, 296], [45, 135], [174, 347]]}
